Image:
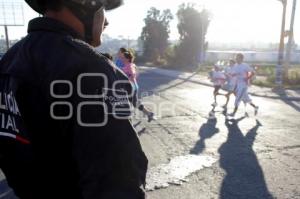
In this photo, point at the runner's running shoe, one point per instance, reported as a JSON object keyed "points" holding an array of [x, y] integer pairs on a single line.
{"points": [[151, 117], [256, 110]]}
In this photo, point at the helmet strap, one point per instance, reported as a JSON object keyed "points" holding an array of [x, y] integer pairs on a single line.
{"points": [[86, 17], [88, 23]]}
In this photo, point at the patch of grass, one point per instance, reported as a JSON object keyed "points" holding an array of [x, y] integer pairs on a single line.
{"points": [[205, 68], [292, 81], [262, 83], [264, 70], [265, 73]]}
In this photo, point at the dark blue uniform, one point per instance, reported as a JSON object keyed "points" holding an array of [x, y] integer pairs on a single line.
{"points": [[64, 129]]}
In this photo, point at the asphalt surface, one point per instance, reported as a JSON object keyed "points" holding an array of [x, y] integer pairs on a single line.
{"points": [[255, 157]]}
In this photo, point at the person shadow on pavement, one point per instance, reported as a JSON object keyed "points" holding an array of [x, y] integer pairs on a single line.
{"points": [[206, 131], [244, 177]]}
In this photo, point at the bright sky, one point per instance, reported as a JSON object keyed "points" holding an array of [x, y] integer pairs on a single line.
{"points": [[232, 20]]}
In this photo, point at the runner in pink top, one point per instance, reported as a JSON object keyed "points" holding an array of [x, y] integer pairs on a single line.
{"points": [[130, 70], [218, 78]]}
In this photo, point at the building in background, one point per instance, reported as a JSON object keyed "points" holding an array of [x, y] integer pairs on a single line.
{"points": [[250, 56]]}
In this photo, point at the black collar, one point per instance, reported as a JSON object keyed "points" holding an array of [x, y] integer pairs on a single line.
{"points": [[51, 25]]}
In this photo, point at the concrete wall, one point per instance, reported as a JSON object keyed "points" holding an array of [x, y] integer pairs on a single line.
{"points": [[250, 56]]}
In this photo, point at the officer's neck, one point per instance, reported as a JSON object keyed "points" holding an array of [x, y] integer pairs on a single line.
{"points": [[67, 17]]}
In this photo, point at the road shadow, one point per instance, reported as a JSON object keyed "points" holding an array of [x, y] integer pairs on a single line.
{"points": [[142, 131], [150, 82], [158, 80], [291, 103], [206, 131], [137, 124], [244, 176], [179, 83]]}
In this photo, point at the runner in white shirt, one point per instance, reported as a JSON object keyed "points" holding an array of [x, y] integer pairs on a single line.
{"points": [[231, 81], [243, 73]]}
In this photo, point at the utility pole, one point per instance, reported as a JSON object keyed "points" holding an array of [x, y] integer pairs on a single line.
{"points": [[6, 37], [278, 80], [128, 42], [11, 15], [202, 43], [291, 39], [202, 53]]}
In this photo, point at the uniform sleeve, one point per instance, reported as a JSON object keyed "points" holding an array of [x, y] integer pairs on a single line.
{"points": [[106, 151]]}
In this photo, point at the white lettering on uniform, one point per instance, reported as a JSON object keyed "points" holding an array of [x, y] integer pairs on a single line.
{"points": [[17, 112], [2, 120], [9, 123], [10, 103], [15, 126], [2, 104]]}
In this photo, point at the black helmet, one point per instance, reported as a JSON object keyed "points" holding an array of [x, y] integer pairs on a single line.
{"points": [[84, 10], [89, 4]]}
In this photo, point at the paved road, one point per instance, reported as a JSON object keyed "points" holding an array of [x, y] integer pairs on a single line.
{"points": [[257, 157], [249, 158]]}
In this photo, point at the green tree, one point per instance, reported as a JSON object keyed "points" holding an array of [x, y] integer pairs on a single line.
{"points": [[192, 27], [155, 34]]}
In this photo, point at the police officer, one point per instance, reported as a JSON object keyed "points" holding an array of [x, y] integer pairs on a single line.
{"points": [[62, 131]]}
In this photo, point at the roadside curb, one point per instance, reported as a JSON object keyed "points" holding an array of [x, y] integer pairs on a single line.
{"points": [[181, 76]]}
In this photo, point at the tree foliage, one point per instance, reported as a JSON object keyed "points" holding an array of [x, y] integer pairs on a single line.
{"points": [[155, 33], [192, 27]]}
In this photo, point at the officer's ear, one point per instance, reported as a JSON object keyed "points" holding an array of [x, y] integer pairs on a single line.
{"points": [[99, 25]]}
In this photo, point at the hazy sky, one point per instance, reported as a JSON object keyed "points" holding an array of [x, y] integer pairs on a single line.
{"points": [[232, 20]]}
